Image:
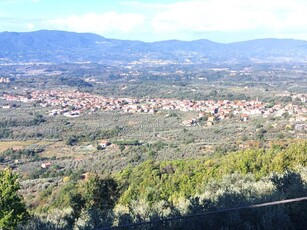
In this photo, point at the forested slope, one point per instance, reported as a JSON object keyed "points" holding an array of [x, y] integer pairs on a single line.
{"points": [[155, 190]]}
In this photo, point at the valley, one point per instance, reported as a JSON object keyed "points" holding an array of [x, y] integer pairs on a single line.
{"points": [[104, 132]]}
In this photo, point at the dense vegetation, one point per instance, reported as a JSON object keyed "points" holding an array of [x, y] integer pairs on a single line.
{"points": [[160, 189], [12, 154], [184, 178], [12, 208]]}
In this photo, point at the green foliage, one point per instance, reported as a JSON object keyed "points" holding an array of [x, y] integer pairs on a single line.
{"points": [[289, 185], [128, 142], [101, 134], [12, 208], [72, 140], [5, 133], [121, 148], [155, 190], [93, 195], [37, 120], [270, 105], [152, 182], [13, 154], [73, 82], [260, 133], [231, 191], [76, 175], [97, 135], [99, 193], [225, 148]]}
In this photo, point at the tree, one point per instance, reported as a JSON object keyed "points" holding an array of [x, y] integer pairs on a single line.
{"points": [[94, 201], [72, 140], [12, 208], [100, 193], [260, 133]]}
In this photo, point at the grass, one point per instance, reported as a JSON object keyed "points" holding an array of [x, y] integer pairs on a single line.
{"points": [[22, 144]]}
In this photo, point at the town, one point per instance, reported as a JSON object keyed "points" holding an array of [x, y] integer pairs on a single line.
{"points": [[73, 103]]}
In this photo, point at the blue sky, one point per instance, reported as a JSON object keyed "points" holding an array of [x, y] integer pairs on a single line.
{"points": [[217, 20]]}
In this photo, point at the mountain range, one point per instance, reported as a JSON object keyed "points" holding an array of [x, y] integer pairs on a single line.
{"points": [[64, 47]]}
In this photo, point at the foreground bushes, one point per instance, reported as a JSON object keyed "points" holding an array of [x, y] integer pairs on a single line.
{"points": [[170, 180], [156, 190], [233, 190], [12, 208]]}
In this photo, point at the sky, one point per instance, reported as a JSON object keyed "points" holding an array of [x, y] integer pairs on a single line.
{"points": [[217, 20]]}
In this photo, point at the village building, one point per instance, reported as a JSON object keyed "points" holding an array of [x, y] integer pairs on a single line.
{"points": [[46, 165]]}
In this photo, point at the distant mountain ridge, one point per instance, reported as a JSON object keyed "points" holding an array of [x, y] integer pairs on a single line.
{"points": [[61, 46]]}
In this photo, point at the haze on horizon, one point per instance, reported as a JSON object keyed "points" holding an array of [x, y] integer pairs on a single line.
{"points": [[216, 20]]}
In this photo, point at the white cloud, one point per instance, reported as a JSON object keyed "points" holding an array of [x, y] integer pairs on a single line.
{"points": [[13, 2], [226, 15], [30, 26], [145, 5], [98, 23], [183, 19]]}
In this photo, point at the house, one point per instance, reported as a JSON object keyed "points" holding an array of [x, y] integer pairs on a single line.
{"points": [[46, 165], [300, 127], [7, 106], [54, 112], [244, 117], [210, 123], [85, 176], [104, 143], [75, 113], [186, 122], [189, 122], [201, 115]]}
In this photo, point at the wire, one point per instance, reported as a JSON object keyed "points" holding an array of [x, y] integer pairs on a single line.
{"points": [[208, 213]]}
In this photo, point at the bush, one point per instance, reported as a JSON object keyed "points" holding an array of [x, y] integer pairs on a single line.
{"points": [[12, 208]]}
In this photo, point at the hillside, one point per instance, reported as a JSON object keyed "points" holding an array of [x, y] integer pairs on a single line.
{"points": [[61, 46], [155, 190]]}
